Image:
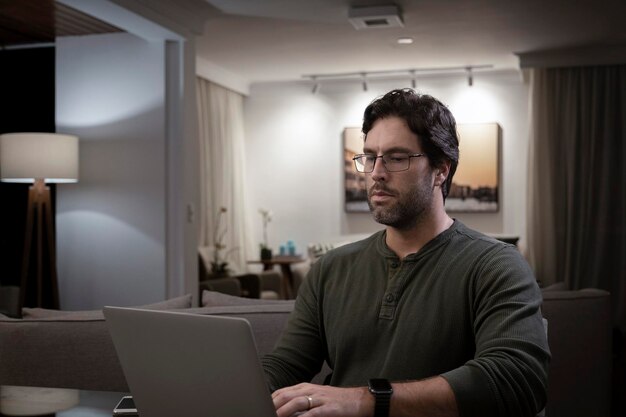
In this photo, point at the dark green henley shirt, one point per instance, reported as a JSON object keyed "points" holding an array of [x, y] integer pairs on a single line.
{"points": [[466, 307]]}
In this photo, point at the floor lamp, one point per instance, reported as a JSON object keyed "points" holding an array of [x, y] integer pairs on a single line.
{"points": [[39, 158]]}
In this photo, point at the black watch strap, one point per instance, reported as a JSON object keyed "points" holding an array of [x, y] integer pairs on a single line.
{"points": [[381, 409], [381, 390]]}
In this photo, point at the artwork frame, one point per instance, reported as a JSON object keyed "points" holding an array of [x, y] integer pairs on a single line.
{"points": [[355, 194], [475, 185]]}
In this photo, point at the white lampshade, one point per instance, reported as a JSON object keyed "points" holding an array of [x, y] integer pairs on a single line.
{"points": [[25, 157]]}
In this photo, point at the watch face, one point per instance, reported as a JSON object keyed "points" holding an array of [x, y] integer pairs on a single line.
{"points": [[379, 385]]}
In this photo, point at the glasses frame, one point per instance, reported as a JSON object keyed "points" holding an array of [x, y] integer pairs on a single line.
{"points": [[414, 155]]}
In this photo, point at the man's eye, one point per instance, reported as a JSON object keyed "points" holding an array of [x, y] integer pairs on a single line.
{"points": [[397, 158]]}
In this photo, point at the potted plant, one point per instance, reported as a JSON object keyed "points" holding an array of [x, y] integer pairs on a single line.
{"points": [[219, 264], [266, 251]]}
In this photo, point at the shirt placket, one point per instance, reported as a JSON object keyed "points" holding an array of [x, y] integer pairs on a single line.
{"points": [[392, 293]]}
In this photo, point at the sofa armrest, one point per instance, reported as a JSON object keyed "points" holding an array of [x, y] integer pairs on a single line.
{"points": [[10, 301], [271, 281], [579, 335], [230, 286]]}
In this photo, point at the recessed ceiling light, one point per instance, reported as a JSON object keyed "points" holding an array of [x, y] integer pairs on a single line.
{"points": [[405, 41]]}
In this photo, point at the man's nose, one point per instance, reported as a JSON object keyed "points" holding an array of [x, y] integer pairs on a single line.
{"points": [[379, 173]]}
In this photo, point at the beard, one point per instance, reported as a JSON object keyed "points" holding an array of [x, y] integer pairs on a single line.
{"points": [[408, 208]]}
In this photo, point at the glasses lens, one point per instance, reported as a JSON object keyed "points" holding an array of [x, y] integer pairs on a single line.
{"points": [[359, 163], [396, 161]]}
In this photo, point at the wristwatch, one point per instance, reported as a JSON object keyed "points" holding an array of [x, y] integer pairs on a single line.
{"points": [[381, 390]]}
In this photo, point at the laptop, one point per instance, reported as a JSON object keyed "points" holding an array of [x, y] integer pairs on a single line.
{"points": [[181, 364]]}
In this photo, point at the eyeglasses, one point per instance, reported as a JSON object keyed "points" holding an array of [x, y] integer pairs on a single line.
{"points": [[393, 162]]}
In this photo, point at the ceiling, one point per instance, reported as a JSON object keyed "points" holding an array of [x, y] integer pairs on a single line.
{"points": [[273, 40], [277, 40]]}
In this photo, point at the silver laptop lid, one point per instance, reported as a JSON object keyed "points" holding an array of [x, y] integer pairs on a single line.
{"points": [[179, 364]]}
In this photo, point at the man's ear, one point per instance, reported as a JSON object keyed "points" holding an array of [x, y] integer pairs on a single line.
{"points": [[441, 173]]}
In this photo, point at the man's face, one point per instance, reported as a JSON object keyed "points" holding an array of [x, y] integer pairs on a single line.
{"points": [[398, 199]]}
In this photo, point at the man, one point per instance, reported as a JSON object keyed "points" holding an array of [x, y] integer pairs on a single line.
{"points": [[438, 319]]}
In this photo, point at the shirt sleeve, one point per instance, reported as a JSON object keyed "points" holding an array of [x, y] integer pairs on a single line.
{"points": [[300, 352], [508, 374]]}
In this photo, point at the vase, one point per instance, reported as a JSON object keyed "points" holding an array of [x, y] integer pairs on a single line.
{"points": [[266, 254]]}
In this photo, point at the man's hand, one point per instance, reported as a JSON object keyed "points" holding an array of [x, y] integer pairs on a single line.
{"points": [[320, 400], [428, 397]]}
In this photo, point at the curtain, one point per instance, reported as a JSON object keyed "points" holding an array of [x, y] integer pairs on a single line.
{"points": [[223, 217], [577, 180]]}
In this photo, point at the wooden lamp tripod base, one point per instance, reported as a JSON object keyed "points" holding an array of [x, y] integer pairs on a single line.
{"points": [[46, 293]]}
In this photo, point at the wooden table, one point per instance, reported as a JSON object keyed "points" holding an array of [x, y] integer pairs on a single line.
{"points": [[285, 263]]}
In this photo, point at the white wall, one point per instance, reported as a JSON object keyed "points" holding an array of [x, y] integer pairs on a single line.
{"points": [[295, 160], [110, 91]]}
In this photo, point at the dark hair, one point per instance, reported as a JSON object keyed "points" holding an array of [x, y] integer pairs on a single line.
{"points": [[428, 118]]}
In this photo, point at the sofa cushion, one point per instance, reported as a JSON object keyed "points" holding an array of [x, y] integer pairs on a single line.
{"points": [[558, 286], [214, 299], [184, 301]]}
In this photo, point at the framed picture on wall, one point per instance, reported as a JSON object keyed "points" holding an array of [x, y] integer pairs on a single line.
{"points": [[355, 192], [475, 185]]}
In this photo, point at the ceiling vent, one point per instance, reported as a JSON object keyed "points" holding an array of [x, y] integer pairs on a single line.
{"points": [[375, 17]]}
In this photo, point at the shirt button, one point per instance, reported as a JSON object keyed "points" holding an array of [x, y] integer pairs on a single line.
{"points": [[394, 265], [389, 298]]}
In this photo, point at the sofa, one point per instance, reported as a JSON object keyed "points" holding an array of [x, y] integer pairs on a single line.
{"points": [[580, 339], [74, 350], [265, 284]]}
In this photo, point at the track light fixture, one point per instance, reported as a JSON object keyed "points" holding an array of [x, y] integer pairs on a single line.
{"points": [[470, 77], [316, 85], [410, 73]]}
